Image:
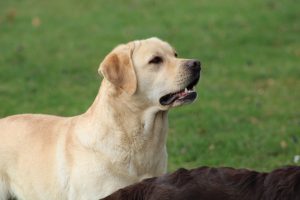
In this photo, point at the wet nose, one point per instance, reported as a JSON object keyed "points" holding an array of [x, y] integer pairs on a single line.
{"points": [[193, 65]]}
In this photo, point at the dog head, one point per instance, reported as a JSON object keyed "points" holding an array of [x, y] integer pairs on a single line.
{"points": [[149, 70]]}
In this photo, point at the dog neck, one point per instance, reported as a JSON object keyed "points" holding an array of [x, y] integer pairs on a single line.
{"points": [[124, 133], [113, 119]]}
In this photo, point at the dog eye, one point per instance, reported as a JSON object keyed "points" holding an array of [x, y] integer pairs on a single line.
{"points": [[176, 55], [156, 60]]}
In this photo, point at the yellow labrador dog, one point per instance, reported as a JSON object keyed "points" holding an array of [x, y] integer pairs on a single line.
{"points": [[118, 141]]}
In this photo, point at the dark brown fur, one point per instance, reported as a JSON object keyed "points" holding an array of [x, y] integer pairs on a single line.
{"points": [[223, 183]]}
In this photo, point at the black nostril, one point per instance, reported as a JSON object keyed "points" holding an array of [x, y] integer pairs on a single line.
{"points": [[194, 64]]}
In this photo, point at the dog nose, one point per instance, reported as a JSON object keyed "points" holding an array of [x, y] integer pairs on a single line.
{"points": [[194, 65]]}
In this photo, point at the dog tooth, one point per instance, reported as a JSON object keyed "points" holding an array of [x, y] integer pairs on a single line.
{"points": [[185, 90]]}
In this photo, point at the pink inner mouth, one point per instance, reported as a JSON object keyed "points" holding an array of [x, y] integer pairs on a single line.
{"points": [[187, 94], [183, 94]]}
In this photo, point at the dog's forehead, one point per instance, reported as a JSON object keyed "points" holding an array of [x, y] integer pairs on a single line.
{"points": [[154, 45]]}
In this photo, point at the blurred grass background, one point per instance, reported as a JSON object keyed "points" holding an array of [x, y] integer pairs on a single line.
{"points": [[247, 114]]}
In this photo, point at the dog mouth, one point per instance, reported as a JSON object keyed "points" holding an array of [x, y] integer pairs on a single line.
{"points": [[183, 96]]}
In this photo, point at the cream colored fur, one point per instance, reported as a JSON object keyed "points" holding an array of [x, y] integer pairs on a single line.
{"points": [[120, 140]]}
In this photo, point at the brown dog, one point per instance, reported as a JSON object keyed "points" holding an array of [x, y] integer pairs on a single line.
{"points": [[216, 184], [120, 140]]}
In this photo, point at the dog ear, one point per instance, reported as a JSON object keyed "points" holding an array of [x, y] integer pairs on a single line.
{"points": [[118, 69]]}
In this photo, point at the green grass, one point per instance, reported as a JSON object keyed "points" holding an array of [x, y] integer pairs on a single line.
{"points": [[248, 111]]}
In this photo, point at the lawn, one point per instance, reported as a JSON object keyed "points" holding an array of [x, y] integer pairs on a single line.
{"points": [[248, 110]]}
